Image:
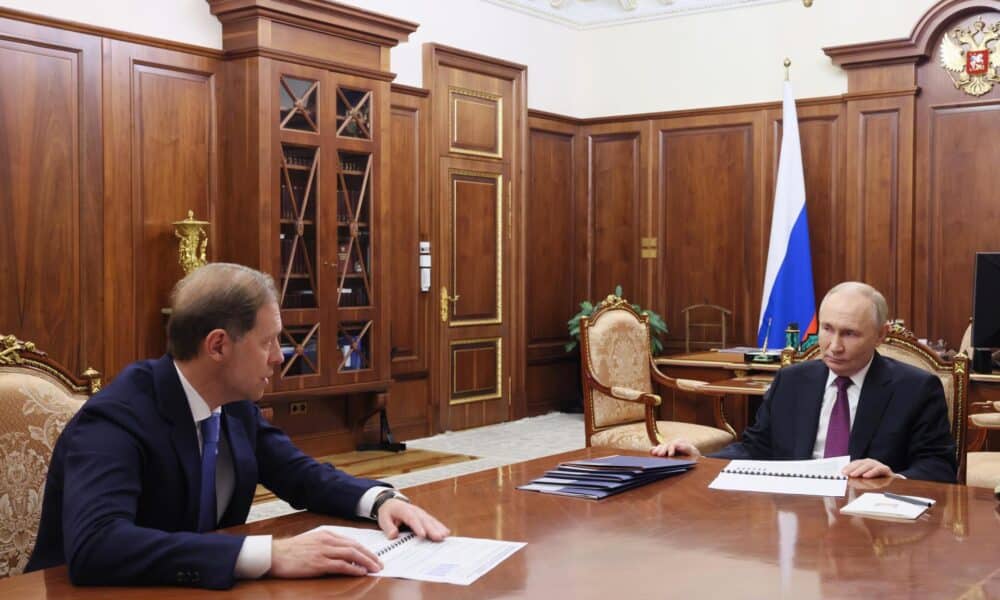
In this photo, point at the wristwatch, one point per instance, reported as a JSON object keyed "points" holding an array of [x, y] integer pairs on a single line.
{"points": [[383, 497]]}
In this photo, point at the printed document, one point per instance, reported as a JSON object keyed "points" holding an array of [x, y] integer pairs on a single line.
{"points": [[457, 560], [820, 477]]}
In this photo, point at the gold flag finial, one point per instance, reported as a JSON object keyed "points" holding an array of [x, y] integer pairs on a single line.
{"points": [[788, 64]]}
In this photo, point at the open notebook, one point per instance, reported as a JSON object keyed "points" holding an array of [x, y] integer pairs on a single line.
{"points": [[820, 477]]}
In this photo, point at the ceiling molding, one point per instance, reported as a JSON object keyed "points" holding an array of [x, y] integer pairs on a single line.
{"points": [[596, 14]]}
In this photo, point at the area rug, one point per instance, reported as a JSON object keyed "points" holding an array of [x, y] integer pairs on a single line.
{"points": [[376, 464]]}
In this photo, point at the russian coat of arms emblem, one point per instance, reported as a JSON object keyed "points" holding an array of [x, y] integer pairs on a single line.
{"points": [[968, 58]]}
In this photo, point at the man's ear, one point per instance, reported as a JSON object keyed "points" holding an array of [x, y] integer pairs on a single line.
{"points": [[883, 332], [216, 344]]}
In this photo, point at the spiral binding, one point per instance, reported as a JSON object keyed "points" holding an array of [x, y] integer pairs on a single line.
{"points": [[779, 474], [399, 542]]}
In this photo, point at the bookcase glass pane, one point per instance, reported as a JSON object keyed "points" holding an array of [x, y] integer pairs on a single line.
{"points": [[297, 101], [354, 341], [300, 349], [354, 113], [354, 233], [298, 226]]}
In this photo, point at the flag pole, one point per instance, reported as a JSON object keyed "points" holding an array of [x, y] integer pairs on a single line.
{"points": [[788, 64]]}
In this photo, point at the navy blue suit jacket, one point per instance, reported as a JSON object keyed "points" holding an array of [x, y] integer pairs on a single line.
{"points": [[121, 496], [901, 420]]}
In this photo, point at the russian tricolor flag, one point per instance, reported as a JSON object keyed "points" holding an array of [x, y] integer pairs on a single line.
{"points": [[788, 282]]}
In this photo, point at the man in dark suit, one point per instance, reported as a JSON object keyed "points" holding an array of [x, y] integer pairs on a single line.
{"points": [[890, 417], [173, 449]]}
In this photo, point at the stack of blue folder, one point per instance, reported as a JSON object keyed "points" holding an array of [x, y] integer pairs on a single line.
{"points": [[602, 477]]}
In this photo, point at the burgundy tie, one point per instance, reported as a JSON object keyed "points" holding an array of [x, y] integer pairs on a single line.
{"points": [[838, 433]]}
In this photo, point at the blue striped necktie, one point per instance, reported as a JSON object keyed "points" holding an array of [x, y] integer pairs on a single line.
{"points": [[210, 448]]}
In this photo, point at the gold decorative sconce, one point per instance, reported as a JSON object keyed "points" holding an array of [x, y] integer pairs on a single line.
{"points": [[193, 242]]}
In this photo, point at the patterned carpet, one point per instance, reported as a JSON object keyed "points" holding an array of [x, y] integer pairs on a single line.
{"points": [[495, 445]]}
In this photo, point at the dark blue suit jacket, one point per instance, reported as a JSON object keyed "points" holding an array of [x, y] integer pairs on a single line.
{"points": [[121, 497], [901, 420]]}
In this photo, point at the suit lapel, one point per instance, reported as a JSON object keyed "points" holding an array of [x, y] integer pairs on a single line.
{"points": [[875, 396], [244, 471], [173, 405], [811, 402]]}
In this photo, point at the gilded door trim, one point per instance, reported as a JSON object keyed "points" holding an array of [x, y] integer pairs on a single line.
{"points": [[454, 380], [498, 178]]}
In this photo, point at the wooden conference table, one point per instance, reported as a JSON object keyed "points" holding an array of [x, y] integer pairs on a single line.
{"points": [[672, 539]]}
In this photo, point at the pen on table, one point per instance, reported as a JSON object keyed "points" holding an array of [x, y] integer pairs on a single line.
{"points": [[907, 499]]}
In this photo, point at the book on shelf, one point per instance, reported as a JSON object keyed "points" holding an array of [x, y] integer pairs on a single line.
{"points": [[820, 477]]}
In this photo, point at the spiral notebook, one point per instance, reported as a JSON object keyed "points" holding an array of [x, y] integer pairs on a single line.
{"points": [[820, 477], [457, 560]]}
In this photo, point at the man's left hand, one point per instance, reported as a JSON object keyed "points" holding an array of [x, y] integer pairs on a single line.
{"points": [[867, 468], [396, 512]]}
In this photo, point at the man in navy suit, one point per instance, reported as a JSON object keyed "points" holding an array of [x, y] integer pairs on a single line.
{"points": [[125, 502], [890, 417]]}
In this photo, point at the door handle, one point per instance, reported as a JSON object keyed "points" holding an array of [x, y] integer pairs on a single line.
{"points": [[445, 299]]}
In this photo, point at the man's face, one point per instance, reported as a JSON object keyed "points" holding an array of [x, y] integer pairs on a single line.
{"points": [[848, 333], [251, 364]]}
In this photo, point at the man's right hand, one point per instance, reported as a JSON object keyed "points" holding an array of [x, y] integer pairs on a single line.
{"points": [[321, 552], [677, 447]]}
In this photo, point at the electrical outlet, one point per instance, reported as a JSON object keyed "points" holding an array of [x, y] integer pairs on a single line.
{"points": [[297, 408]]}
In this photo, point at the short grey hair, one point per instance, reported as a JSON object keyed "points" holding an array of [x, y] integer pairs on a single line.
{"points": [[215, 296], [880, 307]]}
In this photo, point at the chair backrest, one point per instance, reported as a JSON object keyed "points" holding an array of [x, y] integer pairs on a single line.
{"points": [[614, 351], [37, 398], [709, 322], [902, 345]]}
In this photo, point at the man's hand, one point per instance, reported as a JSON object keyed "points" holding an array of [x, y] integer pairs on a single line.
{"points": [[679, 446], [395, 512], [318, 553], [868, 468]]}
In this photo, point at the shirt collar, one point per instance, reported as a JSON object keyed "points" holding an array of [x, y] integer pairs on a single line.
{"points": [[858, 379], [199, 408]]}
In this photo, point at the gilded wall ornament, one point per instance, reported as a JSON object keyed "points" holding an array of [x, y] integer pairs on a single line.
{"points": [[968, 58], [193, 242]]}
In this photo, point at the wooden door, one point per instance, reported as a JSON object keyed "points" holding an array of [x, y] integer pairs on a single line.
{"points": [[473, 293]]}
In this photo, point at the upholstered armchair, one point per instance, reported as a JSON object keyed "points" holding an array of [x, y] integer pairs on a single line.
{"points": [[902, 345], [618, 373], [37, 398]]}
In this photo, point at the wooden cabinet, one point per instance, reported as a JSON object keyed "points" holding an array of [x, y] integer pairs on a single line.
{"points": [[304, 178]]}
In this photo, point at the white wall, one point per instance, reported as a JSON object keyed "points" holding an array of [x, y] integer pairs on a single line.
{"points": [[708, 59]]}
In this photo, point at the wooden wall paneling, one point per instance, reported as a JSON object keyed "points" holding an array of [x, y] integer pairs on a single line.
{"points": [[822, 128], [410, 310], [617, 160], [879, 198], [161, 141], [957, 213], [50, 196], [552, 292], [711, 223], [479, 124]]}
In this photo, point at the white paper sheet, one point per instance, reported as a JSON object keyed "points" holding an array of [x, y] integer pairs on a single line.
{"points": [[878, 505], [457, 560]]}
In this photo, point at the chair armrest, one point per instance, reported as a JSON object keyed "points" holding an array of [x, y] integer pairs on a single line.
{"points": [[630, 395]]}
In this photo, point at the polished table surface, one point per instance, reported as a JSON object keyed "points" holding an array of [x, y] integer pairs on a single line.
{"points": [[671, 539]]}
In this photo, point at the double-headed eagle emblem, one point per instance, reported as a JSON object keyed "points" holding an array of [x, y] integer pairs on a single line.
{"points": [[968, 58]]}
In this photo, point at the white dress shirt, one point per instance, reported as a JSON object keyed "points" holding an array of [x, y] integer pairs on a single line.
{"points": [[254, 559], [830, 398]]}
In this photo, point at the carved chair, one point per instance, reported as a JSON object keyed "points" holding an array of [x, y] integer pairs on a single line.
{"points": [[705, 318], [902, 345], [37, 397], [618, 373]]}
